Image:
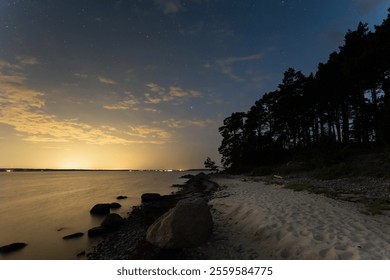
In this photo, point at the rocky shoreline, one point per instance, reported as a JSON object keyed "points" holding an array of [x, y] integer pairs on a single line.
{"points": [[129, 240]]}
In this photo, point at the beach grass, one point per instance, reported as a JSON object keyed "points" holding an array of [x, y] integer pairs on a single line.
{"points": [[374, 205], [308, 187]]}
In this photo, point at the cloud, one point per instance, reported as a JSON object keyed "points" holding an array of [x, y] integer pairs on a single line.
{"points": [[12, 79], [169, 6], [156, 94], [106, 81], [160, 94], [173, 123], [4, 65], [128, 102], [80, 75], [27, 60], [144, 131], [226, 65], [24, 109]]}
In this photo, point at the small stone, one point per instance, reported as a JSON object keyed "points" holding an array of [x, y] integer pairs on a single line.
{"points": [[12, 247]]}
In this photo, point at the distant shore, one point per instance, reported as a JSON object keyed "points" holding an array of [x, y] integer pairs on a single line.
{"points": [[98, 170], [257, 218]]}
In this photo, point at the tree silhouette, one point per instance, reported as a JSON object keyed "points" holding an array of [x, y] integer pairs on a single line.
{"points": [[346, 102], [210, 164]]}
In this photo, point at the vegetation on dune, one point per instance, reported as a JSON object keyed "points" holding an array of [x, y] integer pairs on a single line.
{"points": [[373, 205], [327, 119]]}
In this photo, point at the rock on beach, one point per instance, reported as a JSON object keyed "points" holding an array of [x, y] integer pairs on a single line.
{"points": [[188, 224], [97, 231], [184, 215], [112, 221]]}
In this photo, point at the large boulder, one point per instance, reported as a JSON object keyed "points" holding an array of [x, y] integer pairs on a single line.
{"points": [[189, 224], [12, 247], [101, 209], [112, 221]]}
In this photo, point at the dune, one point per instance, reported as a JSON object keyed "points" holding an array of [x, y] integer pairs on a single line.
{"points": [[253, 220]]}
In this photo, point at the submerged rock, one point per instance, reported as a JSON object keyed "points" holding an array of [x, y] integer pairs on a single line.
{"points": [[100, 209], [189, 224], [12, 247], [121, 197], [73, 235], [112, 221]]}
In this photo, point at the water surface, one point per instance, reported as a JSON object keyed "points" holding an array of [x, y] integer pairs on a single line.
{"points": [[39, 208]]}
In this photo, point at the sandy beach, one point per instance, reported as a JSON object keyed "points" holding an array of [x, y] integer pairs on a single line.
{"points": [[255, 220]]}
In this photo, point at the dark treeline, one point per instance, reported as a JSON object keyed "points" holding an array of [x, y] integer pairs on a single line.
{"points": [[345, 103]]}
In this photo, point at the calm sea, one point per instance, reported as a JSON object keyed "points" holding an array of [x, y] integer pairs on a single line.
{"points": [[39, 208]]}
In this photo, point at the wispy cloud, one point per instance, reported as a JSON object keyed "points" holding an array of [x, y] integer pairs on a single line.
{"points": [[144, 131], [24, 109], [129, 101], [158, 94], [80, 75], [27, 60], [169, 6], [105, 80], [8, 66], [173, 123], [226, 65]]}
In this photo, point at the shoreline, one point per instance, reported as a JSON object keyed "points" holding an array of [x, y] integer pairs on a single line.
{"points": [[256, 218], [129, 241]]}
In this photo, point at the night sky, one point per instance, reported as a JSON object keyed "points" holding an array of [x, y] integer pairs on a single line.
{"points": [[146, 84]]}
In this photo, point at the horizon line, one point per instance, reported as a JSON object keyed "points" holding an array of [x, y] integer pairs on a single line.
{"points": [[20, 169]]}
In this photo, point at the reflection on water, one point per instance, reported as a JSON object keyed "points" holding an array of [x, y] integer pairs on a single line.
{"points": [[39, 208]]}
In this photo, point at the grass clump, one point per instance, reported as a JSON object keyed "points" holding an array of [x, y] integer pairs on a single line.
{"points": [[376, 206], [298, 187]]}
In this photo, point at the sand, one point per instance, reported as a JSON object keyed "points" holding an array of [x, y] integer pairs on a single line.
{"points": [[253, 220]]}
